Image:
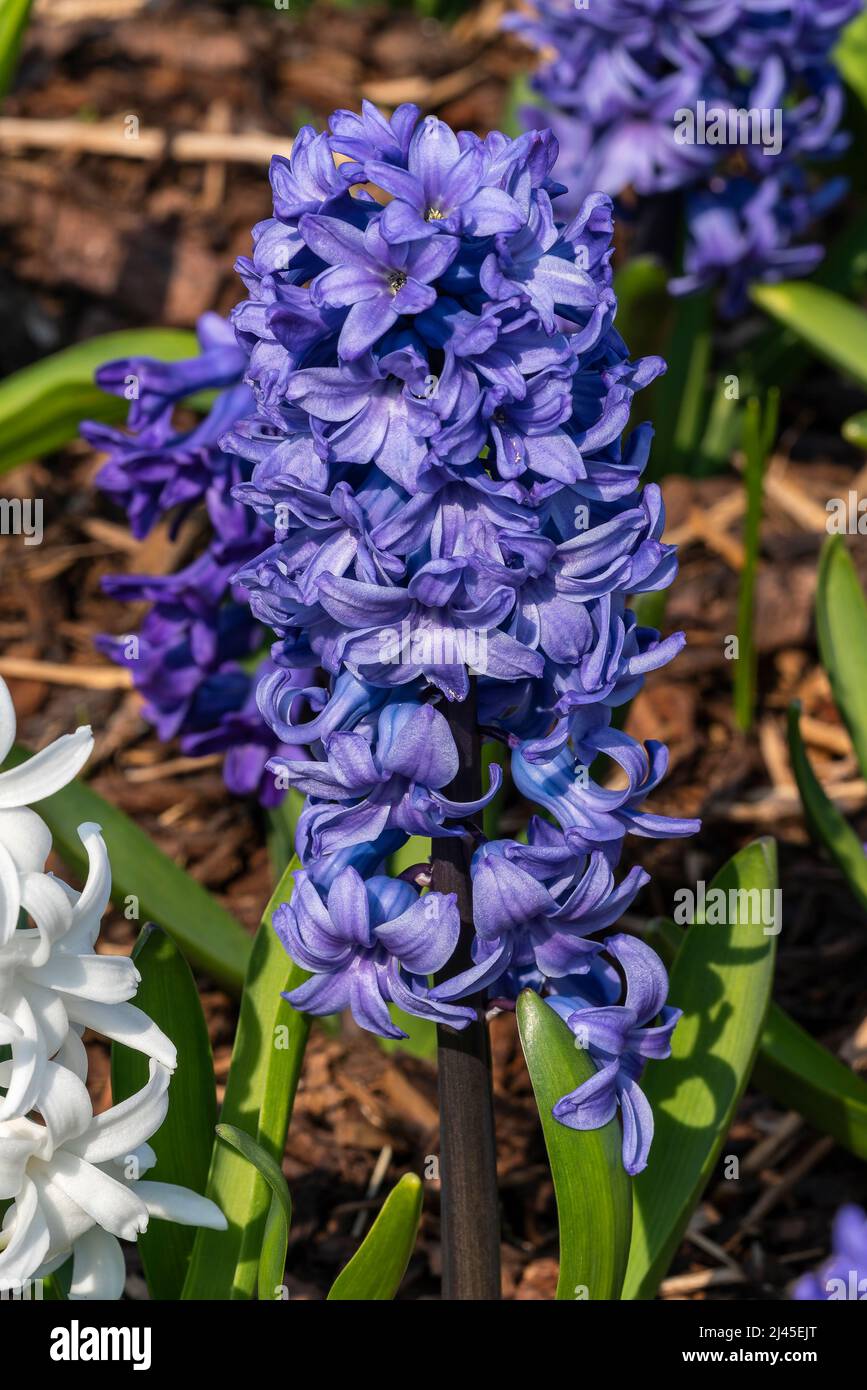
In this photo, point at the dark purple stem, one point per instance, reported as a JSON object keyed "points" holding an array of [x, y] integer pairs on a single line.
{"points": [[468, 1150]]}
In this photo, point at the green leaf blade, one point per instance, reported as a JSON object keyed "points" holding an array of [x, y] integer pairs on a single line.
{"points": [[43, 405], [795, 1069], [841, 626], [14, 15], [272, 1259], [798, 1072], [266, 1064], [835, 329], [593, 1191], [850, 55], [376, 1269], [182, 1144], [827, 822], [721, 979]]}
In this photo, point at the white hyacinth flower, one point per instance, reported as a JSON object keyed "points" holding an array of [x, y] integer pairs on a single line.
{"points": [[42, 775], [75, 1182], [51, 978], [70, 1180]]}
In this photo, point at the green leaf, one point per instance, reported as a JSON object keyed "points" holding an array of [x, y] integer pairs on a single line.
{"points": [[42, 406], [593, 1191], [182, 1144], [14, 15], [260, 1092], [272, 1259], [642, 301], [829, 324], [841, 626], [421, 1035], [793, 1068], [681, 398], [850, 56], [206, 932], [827, 822], [854, 430], [759, 432], [722, 980], [798, 1072], [377, 1267], [282, 822]]}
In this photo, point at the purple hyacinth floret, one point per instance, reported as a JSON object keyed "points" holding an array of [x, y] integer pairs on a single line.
{"points": [[653, 99], [620, 1039], [437, 458], [370, 943], [194, 658], [844, 1274]]}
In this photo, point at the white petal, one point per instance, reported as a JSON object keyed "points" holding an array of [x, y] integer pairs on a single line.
{"points": [[10, 896], [109, 1203], [29, 1060], [97, 890], [73, 1055], [9, 1031], [124, 1023], [98, 1268], [64, 1104], [124, 1127], [8, 721], [27, 838], [103, 979], [19, 1140], [168, 1202], [50, 909], [47, 771], [49, 1011], [29, 1240]]}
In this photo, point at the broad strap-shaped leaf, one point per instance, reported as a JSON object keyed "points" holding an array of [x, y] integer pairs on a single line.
{"points": [[208, 934], [377, 1267], [593, 1191], [798, 1072], [272, 1259], [260, 1092], [841, 626], [722, 981], [182, 1144], [835, 329], [850, 55], [827, 822], [14, 15], [43, 405], [793, 1068]]}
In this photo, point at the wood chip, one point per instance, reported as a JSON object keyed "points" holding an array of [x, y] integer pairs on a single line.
{"points": [[84, 677], [681, 1284]]}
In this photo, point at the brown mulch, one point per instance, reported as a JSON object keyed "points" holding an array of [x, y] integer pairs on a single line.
{"points": [[92, 244]]}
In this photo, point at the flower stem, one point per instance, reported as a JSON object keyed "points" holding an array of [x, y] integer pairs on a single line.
{"points": [[468, 1152]]}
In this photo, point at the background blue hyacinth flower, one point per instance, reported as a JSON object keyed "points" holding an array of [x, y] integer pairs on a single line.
{"points": [[844, 1273], [198, 655], [618, 78]]}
